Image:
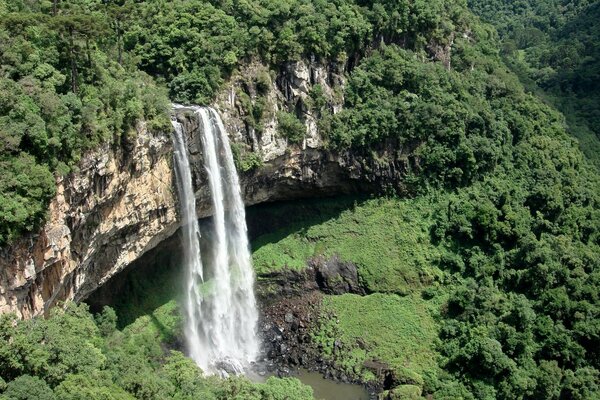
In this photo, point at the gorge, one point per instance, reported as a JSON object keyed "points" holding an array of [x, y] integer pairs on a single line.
{"points": [[411, 187]]}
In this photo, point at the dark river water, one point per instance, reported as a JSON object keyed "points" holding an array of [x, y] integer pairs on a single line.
{"points": [[325, 389]]}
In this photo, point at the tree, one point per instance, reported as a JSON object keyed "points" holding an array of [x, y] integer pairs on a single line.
{"points": [[27, 388]]}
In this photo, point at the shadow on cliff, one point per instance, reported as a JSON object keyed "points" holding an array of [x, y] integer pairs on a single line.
{"points": [[148, 283], [271, 222]]}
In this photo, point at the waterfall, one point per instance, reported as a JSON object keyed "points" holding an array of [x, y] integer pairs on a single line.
{"points": [[191, 244], [221, 313]]}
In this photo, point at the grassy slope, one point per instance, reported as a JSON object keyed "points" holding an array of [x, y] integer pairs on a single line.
{"points": [[398, 331], [387, 239]]}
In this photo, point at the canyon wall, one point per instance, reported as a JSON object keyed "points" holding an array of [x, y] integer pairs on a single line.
{"points": [[121, 201]]}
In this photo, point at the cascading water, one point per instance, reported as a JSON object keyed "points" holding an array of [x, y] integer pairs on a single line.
{"points": [[191, 243], [221, 314]]}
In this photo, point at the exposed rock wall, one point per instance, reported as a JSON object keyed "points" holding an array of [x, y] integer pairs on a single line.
{"points": [[122, 200], [119, 204]]}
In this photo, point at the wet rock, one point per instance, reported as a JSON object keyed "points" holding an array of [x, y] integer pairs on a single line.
{"points": [[334, 276]]}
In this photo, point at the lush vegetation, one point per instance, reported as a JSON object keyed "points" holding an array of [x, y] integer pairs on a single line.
{"points": [[63, 90], [553, 46], [515, 303], [497, 253], [79, 73], [73, 355], [516, 225], [196, 45]]}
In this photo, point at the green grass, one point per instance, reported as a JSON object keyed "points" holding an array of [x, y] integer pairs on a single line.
{"points": [[399, 331], [163, 325], [387, 239]]}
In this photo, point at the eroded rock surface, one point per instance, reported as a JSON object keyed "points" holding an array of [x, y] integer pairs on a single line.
{"points": [[117, 206]]}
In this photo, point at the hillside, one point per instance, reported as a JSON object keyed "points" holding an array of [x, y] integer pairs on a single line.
{"points": [[553, 48], [474, 226]]}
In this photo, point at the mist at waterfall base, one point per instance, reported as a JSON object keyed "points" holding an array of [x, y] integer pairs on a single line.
{"points": [[220, 308]]}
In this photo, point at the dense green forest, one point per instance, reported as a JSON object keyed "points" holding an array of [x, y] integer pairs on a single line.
{"points": [[553, 47], [73, 356], [504, 206]]}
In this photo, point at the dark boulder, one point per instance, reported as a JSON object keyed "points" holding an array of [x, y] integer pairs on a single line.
{"points": [[335, 276]]}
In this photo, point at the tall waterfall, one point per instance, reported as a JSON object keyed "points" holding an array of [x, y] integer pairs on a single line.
{"points": [[221, 314]]}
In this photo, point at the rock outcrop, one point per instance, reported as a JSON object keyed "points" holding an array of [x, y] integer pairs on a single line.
{"points": [[122, 201]]}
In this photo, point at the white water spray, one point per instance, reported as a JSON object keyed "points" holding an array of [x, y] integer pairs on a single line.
{"points": [[221, 314]]}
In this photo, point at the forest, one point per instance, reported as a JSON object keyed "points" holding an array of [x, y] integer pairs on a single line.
{"points": [[502, 99], [552, 46]]}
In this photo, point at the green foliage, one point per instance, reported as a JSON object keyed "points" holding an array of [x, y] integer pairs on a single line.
{"points": [[272, 389], [25, 188], [69, 345], [84, 387], [290, 127], [196, 45], [553, 48], [106, 321], [67, 356], [28, 387], [61, 92], [523, 248], [405, 392], [519, 254], [460, 122], [245, 160]]}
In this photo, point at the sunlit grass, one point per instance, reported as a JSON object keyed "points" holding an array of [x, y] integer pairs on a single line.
{"points": [[399, 331], [388, 240]]}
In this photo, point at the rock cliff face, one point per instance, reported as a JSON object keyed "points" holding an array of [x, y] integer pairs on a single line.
{"points": [[122, 201], [117, 206]]}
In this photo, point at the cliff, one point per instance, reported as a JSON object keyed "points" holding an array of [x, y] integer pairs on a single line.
{"points": [[121, 202]]}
